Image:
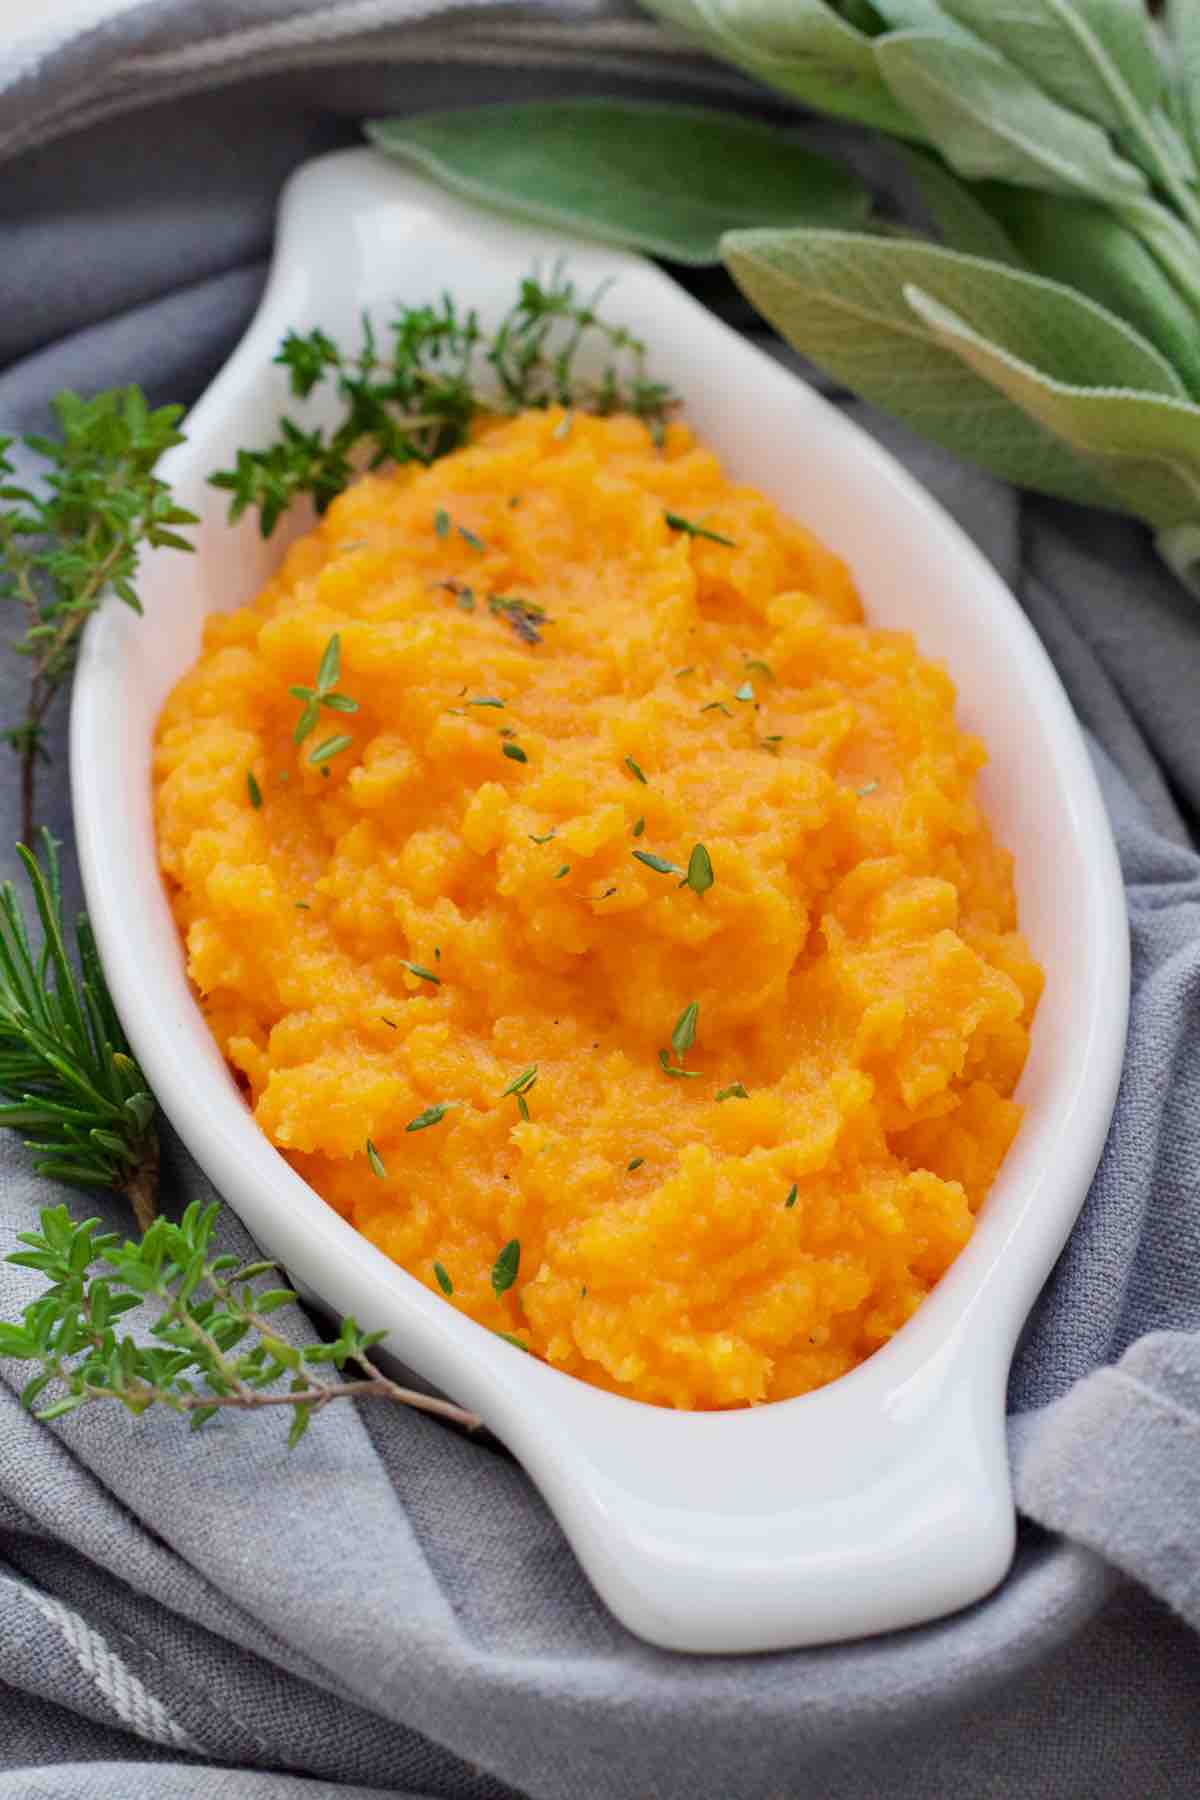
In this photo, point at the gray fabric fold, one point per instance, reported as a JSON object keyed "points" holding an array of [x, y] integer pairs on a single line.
{"points": [[392, 1608]]}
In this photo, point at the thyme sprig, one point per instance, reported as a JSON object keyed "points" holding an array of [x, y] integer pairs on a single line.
{"points": [[415, 399], [67, 1074], [213, 1344], [64, 547]]}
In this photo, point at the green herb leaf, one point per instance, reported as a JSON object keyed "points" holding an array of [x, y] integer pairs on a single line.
{"points": [[699, 875], [1095, 56], [639, 825], [684, 1034], [735, 1091], [677, 522], [756, 666], [506, 1267], [422, 974], [433, 1115], [657, 863], [443, 1280], [332, 746], [791, 1199], [565, 870], [544, 839], [485, 700], [469, 537], [745, 692], [636, 1163], [330, 667], [1149, 444], [803, 47], [669, 1068], [988, 120], [441, 522], [842, 299], [675, 176], [634, 770], [521, 1084], [253, 789], [514, 752], [717, 706], [376, 1161]]}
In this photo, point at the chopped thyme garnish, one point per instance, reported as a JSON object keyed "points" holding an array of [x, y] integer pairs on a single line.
{"points": [[441, 521], [773, 742], [301, 905], [514, 500], [433, 1115], [657, 863], [717, 706], [639, 825], [508, 731], [756, 666], [253, 789], [699, 875], [514, 752], [516, 1342], [332, 746], [608, 893], [735, 1091], [565, 870], [678, 523], [535, 839], [870, 788], [504, 1270], [680, 1074], [485, 700], [745, 692], [376, 1161], [391, 1023], [629, 1168], [324, 693], [791, 1199], [688, 669], [519, 1086], [635, 771], [523, 615], [443, 1280], [684, 1034], [468, 537], [422, 974]]}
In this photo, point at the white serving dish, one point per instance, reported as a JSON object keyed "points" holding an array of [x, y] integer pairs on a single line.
{"points": [[883, 1500]]}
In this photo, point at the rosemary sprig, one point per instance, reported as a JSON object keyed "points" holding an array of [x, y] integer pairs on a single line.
{"points": [[67, 1074], [213, 1344], [63, 549], [415, 400]]}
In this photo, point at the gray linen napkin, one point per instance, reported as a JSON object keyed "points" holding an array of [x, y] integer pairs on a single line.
{"points": [[391, 1608]]}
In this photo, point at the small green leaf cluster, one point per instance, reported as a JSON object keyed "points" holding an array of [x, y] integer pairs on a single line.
{"points": [[209, 1342], [415, 400], [62, 547]]}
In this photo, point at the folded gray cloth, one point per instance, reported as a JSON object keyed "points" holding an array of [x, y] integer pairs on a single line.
{"points": [[391, 1609]]}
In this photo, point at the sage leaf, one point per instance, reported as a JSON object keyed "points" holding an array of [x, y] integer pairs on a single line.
{"points": [[840, 298], [1183, 35], [1095, 56], [990, 122], [1146, 446], [1088, 247], [667, 179], [802, 47]]}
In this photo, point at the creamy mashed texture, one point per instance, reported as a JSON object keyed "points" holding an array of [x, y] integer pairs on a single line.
{"points": [[566, 646]]}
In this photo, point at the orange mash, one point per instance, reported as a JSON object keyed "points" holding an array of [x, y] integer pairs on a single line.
{"points": [[575, 657]]}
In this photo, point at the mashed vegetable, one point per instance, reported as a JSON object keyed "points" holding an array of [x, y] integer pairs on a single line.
{"points": [[389, 936]]}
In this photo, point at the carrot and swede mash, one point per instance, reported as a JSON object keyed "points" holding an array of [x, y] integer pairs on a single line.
{"points": [[621, 948]]}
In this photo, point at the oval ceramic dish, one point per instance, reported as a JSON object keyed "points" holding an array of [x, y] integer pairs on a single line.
{"points": [[884, 1499]]}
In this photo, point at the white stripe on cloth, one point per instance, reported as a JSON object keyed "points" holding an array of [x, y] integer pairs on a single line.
{"points": [[137, 1709]]}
